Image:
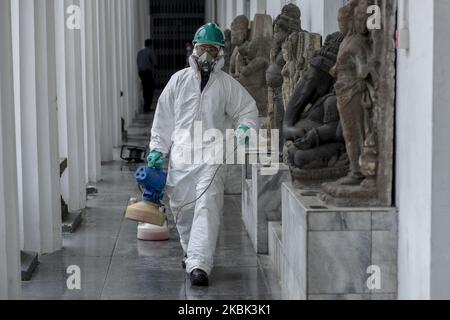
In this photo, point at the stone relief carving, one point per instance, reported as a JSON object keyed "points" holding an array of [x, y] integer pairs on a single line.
{"points": [[255, 54], [365, 106], [239, 38], [228, 51], [315, 149], [297, 52], [284, 25]]}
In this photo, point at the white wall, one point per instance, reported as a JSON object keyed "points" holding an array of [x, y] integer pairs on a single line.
{"points": [[423, 153], [9, 231], [414, 143], [319, 16], [440, 196]]}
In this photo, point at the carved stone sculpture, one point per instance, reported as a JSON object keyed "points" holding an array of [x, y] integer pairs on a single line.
{"points": [[239, 37], [315, 149], [285, 24], [228, 51], [252, 73], [365, 106], [297, 52]]}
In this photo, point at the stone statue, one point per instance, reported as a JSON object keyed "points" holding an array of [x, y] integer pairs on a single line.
{"points": [[297, 52], [285, 24], [315, 149], [228, 51], [239, 37], [357, 70], [255, 53]]}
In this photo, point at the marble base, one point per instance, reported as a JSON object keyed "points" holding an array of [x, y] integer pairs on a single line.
{"points": [[71, 222], [275, 246], [28, 262], [261, 202], [326, 250], [233, 182]]}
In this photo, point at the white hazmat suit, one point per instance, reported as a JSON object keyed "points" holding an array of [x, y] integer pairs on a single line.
{"points": [[180, 105]]}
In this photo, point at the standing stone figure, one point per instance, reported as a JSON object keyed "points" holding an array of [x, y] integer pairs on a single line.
{"points": [[252, 74], [353, 88], [357, 72], [285, 24], [228, 51], [239, 37]]}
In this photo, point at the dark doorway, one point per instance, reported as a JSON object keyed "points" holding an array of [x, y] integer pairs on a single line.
{"points": [[173, 22]]}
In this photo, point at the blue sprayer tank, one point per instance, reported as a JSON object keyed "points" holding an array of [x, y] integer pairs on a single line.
{"points": [[153, 182]]}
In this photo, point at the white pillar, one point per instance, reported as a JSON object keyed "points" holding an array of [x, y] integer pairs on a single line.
{"points": [[9, 225], [104, 79], [41, 220], [240, 8], [210, 11], [320, 16], [274, 7], [91, 90], [123, 62], [70, 106], [118, 73], [113, 71], [130, 62], [138, 44], [120, 67], [257, 6]]}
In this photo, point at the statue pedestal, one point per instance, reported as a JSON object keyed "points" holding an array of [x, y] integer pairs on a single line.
{"points": [[326, 252], [261, 202], [233, 182]]}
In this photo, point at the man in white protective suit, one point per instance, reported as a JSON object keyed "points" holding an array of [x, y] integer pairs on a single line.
{"points": [[201, 94]]}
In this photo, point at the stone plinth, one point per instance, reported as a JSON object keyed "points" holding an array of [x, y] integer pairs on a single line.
{"points": [[326, 251], [261, 202]]}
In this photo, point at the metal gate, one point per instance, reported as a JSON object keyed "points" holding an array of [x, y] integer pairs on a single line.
{"points": [[173, 23]]}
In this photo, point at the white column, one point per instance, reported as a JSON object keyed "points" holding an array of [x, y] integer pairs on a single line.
{"points": [[123, 62], [70, 106], [41, 220], [9, 219], [120, 65], [104, 79], [144, 19], [240, 7], [138, 44], [320, 16], [274, 7], [257, 6], [210, 11], [113, 71], [130, 62], [16, 74], [91, 90]]}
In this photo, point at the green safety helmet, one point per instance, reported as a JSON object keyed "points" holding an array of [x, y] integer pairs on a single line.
{"points": [[210, 34]]}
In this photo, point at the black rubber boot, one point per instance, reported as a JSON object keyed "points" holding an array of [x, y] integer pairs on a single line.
{"points": [[199, 278]]}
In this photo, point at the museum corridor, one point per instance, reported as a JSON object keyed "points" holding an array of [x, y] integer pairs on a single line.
{"points": [[115, 265], [352, 94]]}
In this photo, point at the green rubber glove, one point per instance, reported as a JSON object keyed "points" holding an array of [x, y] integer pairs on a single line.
{"points": [[242, 134], [156, 160]]}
